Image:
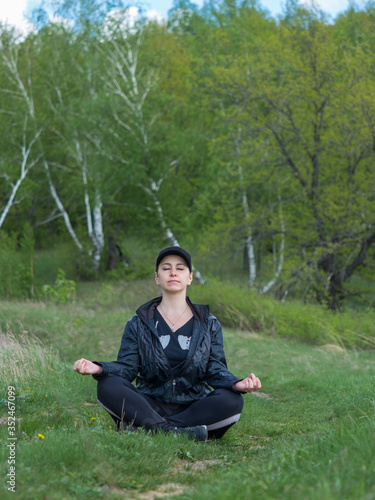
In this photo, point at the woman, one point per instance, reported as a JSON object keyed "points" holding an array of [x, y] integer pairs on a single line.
{"points": [[175, 350]]}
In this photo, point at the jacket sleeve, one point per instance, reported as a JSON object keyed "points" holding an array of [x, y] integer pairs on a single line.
{"points": [[218, 376], [127, 364]]}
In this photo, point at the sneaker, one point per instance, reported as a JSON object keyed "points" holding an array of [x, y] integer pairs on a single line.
{"points": [[199, 432]]}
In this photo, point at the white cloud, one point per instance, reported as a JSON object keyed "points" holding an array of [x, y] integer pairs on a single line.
{"points": [[12, 14], [329, 6], [154, 15], [127, 18], [333, 7]]}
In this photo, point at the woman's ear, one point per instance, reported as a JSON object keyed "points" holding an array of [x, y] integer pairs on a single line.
{"points": [[190, 278], [156, 278]]}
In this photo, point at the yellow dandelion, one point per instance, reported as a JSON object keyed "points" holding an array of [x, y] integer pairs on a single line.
{"points": [[93, 418], [48, 427], [41, 436], [110, 426], [45, 395]]}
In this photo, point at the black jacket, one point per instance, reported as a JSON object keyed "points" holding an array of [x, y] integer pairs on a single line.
{"points": [[141, 355]]}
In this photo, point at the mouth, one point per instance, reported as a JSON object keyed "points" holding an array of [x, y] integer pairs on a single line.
{"points": [[173, 281]]}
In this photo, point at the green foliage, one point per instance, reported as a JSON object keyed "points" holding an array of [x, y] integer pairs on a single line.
{"points": [[237, 307], [224, 124], [135, 271], [285, 104], [17, 265], [62, 292]]}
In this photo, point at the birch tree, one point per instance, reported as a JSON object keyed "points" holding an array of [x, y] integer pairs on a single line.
{"points": [[133, 80], [19, 129], [76, 129], [242, 173]]}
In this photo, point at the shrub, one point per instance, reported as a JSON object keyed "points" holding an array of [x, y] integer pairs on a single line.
{"points": [[239, 307], [63, 290], [17, 276]]}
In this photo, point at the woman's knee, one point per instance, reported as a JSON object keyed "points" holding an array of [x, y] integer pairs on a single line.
{"points": [[232, 400], [111, 385]]}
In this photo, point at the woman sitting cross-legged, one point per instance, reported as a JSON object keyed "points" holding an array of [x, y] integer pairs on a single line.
{"points": [[174, 350]]}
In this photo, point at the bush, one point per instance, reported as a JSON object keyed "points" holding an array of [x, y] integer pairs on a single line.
{"points": [[63, 290], [238, 307], [17, 273]]}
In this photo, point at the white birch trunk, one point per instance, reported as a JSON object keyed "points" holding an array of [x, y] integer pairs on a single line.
{"points": [[86, 197], [98, 233], [10, 200], [10, 62], [62, 210], [168, 232], [270, 284], [94, 218], [123, 81], [249, 246], [153, 192], [25, 168], [249, 237], [94, 223]]}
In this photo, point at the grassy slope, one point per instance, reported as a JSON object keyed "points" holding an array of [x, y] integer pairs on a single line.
{"points": [[311, 436]]}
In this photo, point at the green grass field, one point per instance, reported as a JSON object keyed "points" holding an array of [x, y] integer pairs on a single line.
{"points": [[309, 434]]}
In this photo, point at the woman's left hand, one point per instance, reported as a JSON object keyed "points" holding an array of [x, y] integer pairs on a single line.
{"points": [[249, 384]]}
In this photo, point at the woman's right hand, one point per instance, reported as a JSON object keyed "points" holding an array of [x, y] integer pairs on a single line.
{"points": [[86, 367]]}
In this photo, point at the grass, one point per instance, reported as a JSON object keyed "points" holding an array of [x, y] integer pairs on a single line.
{"points": [[308, 435]]}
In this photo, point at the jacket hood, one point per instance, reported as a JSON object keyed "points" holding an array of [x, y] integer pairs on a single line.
{"points": [[146, 311]]}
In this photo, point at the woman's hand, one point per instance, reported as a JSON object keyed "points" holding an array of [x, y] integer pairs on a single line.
{"points": [[249, 384], [85, 367]]}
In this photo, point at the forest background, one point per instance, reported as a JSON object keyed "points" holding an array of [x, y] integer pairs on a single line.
{"points": [[247, 140]]}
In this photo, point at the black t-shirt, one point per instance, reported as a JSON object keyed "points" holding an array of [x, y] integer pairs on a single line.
{"points": [[175, 344]]}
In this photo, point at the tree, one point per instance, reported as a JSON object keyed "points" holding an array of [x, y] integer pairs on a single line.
{"points": [[72, 100], [240, 169], [309, 110], [141, 109], [19, 130], [305, 103]]}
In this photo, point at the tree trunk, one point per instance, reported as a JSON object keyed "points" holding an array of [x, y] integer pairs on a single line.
{"points": [[249, 247], [153, 192], [270, 284], [63, 212], [94, 219], [335, 294], [97, 234], [25, 167], [111, 261]]}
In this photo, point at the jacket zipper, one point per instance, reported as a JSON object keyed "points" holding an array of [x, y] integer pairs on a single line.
{"points": [[154, 330]]}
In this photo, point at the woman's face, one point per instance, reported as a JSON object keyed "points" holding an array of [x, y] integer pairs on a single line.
{"points": [[173, 274]]}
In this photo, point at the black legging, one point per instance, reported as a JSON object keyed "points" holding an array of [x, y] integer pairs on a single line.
{"points": [[219, 410]]}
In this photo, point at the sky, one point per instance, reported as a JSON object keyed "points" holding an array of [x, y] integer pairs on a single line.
{"points": [[12, 12]]}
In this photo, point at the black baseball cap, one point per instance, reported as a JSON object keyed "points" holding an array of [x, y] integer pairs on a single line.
{"points": [[174, 251]]}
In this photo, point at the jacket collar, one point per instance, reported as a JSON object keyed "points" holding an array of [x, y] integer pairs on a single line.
{"points": [[146, 311]]}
